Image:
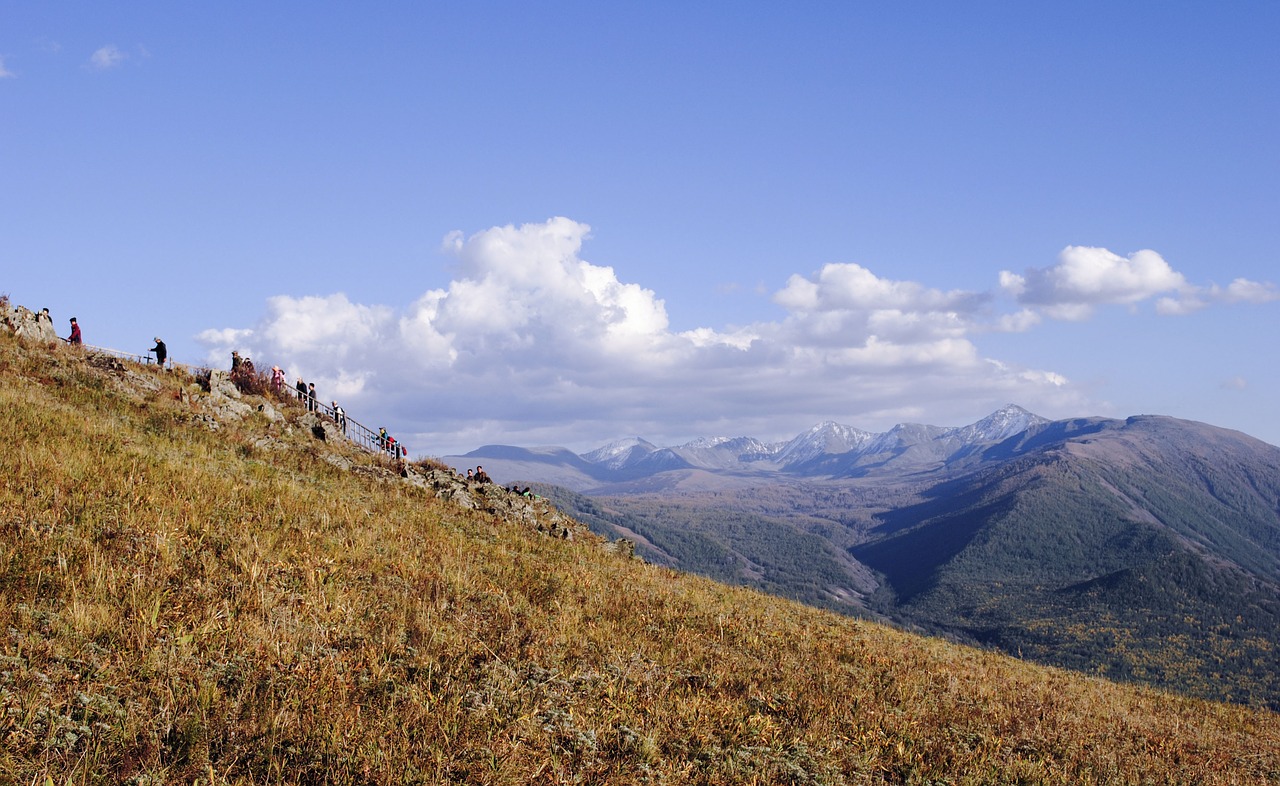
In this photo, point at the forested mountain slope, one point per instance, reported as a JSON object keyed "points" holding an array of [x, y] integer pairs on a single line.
{"points": [[1148, 550]]}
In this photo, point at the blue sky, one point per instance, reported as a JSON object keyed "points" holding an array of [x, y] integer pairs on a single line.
{"points": [[566, 223]]}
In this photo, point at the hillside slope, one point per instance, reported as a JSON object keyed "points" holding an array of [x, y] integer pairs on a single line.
{"points": [[196, 593], [1146, 549]]}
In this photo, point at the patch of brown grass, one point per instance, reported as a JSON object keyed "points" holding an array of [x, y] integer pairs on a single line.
{"points": [[182, 605]]}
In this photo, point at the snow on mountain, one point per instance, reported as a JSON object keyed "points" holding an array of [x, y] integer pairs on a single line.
{"points": [[722, 452], [834, 446], [1005, 422], [825, 438], [903, 436], [620, 453]]}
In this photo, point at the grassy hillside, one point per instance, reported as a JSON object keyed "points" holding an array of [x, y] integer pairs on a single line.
{"points": [[194, 600]]}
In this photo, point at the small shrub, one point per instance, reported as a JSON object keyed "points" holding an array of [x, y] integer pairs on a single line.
{"points": [[248, 381], [429, 463]]}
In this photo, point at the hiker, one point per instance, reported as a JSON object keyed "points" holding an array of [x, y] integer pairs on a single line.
{"points": [[470, 475], [74, 338], [235, 361], [44, 314], [301, 387], [311, 397], [382, 437], [161, 351], [481, 476], [277, 379], [340, 417]]}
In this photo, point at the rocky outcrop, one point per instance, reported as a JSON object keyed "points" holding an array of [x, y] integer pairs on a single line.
{"points": [[31, 325], [224, 400], [533, 512], [622, 547]]}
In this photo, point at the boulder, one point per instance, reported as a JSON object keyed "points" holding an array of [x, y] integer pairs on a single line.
{"points": [[220, 384], [31, 325]]}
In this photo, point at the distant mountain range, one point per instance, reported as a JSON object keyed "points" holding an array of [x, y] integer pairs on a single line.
{"points": [[826, 450], [1146, 548]]}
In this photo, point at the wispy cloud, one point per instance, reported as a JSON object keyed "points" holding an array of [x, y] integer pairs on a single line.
{"points": [[107, 57], [1193, 299], [5, 73]]}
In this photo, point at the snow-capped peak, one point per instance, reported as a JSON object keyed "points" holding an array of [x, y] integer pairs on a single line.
{"points": [[706, 442], [617, 453], [826, 437], [1005, 422]]}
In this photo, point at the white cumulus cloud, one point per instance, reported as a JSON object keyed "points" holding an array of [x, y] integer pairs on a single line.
{"points": [[1085, 277], [531, 343]]}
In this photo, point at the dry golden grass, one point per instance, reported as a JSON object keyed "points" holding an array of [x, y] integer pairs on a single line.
{"points": [[181, 605]]}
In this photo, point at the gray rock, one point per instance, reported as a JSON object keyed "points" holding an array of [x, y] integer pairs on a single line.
{"points": [[220, 384], [31, 325]]}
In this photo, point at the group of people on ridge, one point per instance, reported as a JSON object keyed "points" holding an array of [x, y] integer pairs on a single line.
{"points": [[388, 443], [74, 338], [478, 475], [306, 391], [244, 366]]}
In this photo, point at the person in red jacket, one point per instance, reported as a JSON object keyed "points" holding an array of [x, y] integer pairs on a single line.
{"points": [[75, 332]]}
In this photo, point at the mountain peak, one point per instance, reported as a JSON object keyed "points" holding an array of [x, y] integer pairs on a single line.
{"points": [[619, 452], [1005, 422], [825, 437]]}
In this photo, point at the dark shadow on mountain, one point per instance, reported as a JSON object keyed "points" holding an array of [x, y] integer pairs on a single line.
{"points": [[927, 537]]}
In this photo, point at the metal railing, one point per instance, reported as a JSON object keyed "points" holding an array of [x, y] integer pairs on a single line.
{"points": [[140, 359], [353, 430]]}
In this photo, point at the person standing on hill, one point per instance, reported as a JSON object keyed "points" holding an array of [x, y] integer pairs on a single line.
{"points": [[340, 417], [277, 379], [161, 351], [311, 397], [74, 338], [301, 387]]}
